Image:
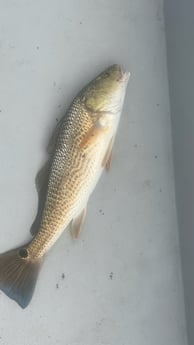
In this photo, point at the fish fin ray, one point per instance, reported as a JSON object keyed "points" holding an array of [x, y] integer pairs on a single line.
{"points": [[41, 185], [18, 276], [42, 176], [52, 142], [77, 223], [95, 132], [36, 223], [108, 155], [90, 137]]}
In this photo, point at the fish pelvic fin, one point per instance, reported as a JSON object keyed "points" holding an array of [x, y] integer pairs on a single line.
{"points": [[18, 275]]}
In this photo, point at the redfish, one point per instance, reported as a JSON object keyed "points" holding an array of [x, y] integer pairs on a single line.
{"points": [[80, 150]]}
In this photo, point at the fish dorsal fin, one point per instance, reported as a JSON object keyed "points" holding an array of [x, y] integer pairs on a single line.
{"points": [[53, 139], [77, 223], [41, 180], [108, 155], [42, 176], [41, 185]]}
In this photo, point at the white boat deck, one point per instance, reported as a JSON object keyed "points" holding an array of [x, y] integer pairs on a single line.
{"points": [[120, 283]]}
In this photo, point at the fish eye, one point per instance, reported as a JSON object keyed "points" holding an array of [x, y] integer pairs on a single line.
{"points": [[23, 253]]}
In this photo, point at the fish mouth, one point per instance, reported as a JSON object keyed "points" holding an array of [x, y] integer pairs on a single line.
{"points": [[119, 73], [125, 78], [124, 75]]}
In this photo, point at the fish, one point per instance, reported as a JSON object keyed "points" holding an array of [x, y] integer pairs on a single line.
{"points": [[79, 151]]}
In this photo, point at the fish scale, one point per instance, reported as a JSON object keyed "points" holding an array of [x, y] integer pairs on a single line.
{"points": [[68, 174], [82, 149]]}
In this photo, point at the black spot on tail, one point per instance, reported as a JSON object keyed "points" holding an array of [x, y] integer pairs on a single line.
{"points": [[18, 275], [23, 253]]}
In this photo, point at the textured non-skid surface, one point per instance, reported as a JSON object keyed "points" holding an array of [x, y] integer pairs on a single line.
{"points": [[120, 282]]}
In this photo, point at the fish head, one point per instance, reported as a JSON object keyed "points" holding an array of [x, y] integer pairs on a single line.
{"points": [[106, 92]]}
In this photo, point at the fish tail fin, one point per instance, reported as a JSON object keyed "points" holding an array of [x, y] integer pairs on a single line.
{"points": [[18, 275]]}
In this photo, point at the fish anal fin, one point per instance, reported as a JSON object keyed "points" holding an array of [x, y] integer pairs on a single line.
{"points": [[108, 155], [77, 223]]}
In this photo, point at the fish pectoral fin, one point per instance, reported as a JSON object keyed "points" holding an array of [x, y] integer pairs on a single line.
{"points": [[95, 132], [90, 136], [53, 139], [108, 155], [77, 223]]}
